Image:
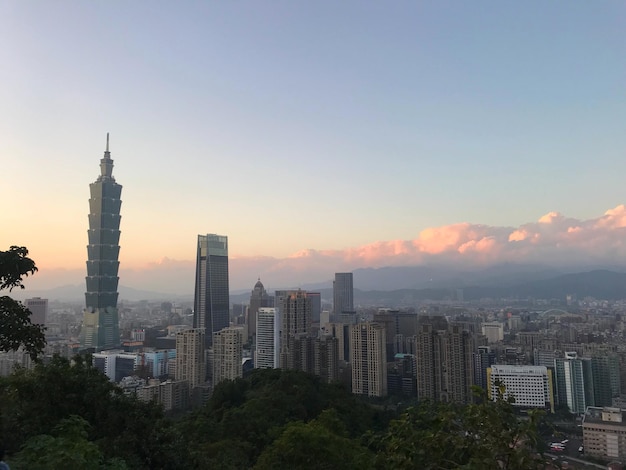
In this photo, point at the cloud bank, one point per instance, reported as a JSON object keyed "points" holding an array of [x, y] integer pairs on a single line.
{"points": [[553, 240]]}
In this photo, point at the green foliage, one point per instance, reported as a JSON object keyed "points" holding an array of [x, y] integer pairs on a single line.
{"points": [[482, 436], [34, 402], [68, 447], [255, 411], [16, 328], [68, 415], [320, 444]]}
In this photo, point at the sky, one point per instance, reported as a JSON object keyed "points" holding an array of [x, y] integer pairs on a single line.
{"points": [[323, 135]]}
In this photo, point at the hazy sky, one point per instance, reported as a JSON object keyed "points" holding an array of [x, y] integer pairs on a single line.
{"points": [[305, 125]]}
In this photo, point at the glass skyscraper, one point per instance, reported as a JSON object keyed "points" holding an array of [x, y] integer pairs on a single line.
{"points": [[100, 328], [343, 295], [211, 300]]}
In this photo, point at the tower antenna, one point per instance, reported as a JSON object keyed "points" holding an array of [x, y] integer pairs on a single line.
{"points": [[107, 142]]}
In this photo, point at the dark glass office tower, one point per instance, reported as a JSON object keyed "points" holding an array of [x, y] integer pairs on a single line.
{"points": [[343, 296], [211, 301], [100, 328]]}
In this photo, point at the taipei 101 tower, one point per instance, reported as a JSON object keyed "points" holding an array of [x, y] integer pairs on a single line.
{"points": [[100, 328]]}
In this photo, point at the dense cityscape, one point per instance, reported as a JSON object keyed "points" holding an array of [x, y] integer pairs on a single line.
{"points": [[564, 356]]}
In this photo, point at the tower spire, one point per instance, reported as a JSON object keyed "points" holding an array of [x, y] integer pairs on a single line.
{"points": [[107, 143]]}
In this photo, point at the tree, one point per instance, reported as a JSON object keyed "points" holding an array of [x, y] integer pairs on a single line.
{"points": [[68, 447], [15, 264], [321, 444], [33, 402], [16, 329], [485, 435]]}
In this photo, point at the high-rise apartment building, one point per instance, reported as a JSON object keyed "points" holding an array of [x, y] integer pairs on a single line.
{"points": [[100, 329], [190, 357], [343, 295], [369, 359], [227, 354], [267, 353], [259, 298], [326, 358], [444, 355], [38, 310], [295, 313], [211, 299]]}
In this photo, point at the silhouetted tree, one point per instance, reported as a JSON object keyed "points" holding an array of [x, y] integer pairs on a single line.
{"points": [[16, 328]]}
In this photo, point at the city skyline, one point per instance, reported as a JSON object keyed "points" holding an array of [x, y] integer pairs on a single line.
{"points": [[418, 133]]}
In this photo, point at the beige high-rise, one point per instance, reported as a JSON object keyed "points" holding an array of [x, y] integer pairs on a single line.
{"points": [[190, 362], [444, 356], [227, 354], [369, 359], [295, 314]]}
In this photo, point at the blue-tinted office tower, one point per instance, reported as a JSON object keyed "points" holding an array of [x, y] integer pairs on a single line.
{"points": [[211, 301], [100, 328], [343, 295]]}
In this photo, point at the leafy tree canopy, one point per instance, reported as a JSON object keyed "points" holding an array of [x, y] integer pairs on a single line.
{"points": [[68, 447], [320, 444], [34, 402], [482, 436], [14, 265], [16, 328]]}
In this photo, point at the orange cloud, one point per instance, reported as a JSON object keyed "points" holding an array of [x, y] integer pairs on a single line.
{"points": [[552, 240]]}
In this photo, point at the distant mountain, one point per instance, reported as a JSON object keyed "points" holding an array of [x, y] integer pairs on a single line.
{"points": [[76, 293], [600, 284], [441, 277], [394, 286]]}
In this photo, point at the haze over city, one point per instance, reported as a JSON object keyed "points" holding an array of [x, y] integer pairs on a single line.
{"points": [[318, 137]]}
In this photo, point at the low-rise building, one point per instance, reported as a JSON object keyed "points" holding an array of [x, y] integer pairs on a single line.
{"points": [[604, 432]]}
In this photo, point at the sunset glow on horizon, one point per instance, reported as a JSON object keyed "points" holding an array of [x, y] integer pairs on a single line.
{"points": [[316, 136]]}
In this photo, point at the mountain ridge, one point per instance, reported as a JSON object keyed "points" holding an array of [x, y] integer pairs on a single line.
{"points": [[415, 284]]}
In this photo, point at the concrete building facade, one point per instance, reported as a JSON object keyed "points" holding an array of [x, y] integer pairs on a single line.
{"points": [[445, 361], [530, 386], [227, 354], [604, 432], [267, 351], [368, 359], [295, 315], [190, 357], [38, 310]]}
